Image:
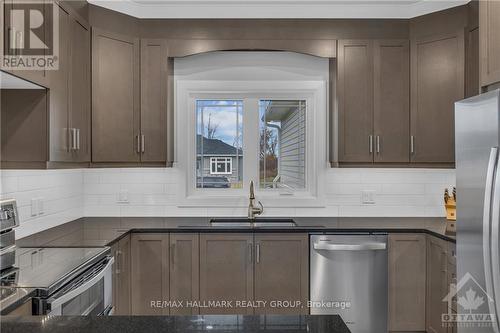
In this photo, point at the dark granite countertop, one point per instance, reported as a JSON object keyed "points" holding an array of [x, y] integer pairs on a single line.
{"points": [[298, 229], [184, 324]]}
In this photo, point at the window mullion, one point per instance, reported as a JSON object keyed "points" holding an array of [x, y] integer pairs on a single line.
{"points": [[250, 142]]}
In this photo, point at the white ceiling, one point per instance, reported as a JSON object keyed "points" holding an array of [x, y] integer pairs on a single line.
{"points": [[277, 8]]}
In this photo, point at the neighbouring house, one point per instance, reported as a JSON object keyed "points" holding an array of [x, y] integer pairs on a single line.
{"points": [[215, 158]]}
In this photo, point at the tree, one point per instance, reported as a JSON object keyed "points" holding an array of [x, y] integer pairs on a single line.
{"points": [[268, 142], [211, 128]]}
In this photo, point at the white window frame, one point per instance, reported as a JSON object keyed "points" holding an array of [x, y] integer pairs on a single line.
{"points": [[315, 95], [226, 160]]}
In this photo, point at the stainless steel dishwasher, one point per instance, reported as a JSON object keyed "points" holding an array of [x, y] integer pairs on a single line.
{"points": [[349, 278]]}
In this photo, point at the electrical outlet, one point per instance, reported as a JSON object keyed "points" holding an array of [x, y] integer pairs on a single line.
{"points": [[34, 207], [368, 197], [123, 196]]}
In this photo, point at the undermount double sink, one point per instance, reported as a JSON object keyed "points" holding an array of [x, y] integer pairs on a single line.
{"points": [[255, 223]]}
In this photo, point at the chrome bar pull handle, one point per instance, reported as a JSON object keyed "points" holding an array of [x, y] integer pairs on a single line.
{"points": [[143, 144], [378, 144], [118, 266], [412, 144], [77, 139], [250, 250], [138, 147], [370, 143], [257, 254]]}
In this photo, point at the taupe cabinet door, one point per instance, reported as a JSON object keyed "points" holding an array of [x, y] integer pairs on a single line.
{"points": [[13, 37], [355, 100], [437, 284], [154, 90], [58, 96], [115, 98], [437, 82], [226, 271], [472, 85], [79, 91], [184, 271], [150, 278], [391, 101], [281, 272], [122, 275], [489, 23], [407, 282]]}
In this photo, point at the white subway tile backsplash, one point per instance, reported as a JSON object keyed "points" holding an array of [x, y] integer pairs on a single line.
{"points": [[70, 194]]}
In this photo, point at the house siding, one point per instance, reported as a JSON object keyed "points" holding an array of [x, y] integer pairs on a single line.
{"points": [[292, 149]]}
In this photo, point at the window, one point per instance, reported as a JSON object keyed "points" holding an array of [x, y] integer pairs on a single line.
{"points": [[219, 150], [221, 165], [278, 131], [282, 144]]}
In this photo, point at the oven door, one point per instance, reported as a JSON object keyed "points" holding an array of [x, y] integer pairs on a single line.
{"points": [[88, 294]]}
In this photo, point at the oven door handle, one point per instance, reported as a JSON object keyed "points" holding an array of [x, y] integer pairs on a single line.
{"points": [[350, 247], [54, 303]]}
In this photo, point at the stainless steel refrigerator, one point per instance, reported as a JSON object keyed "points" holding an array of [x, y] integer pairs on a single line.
{"points": [[477, 132]]}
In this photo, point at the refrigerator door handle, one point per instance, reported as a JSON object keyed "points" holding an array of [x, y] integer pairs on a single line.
{"points": [[495, 248], [487, 219]]}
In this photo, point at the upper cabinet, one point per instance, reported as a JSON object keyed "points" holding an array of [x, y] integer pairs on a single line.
{"points": [[16, 40], [154, 90], [437, 82], [391, 101], [373, 100], [58, 96], [489, 22], [69, 94], [355, 100], [79, 91], [115, 98], [62, 132], [129, 100]]}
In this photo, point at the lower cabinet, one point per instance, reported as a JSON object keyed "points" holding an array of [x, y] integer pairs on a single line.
{"points": [[407, 288], [437, 284], [226, 271], [150, 276], [184, 272], [191, 270], [282, 273], [421, 270], [121, 276]]}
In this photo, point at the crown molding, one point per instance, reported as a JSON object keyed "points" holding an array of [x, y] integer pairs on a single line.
{"points": [[261, 9]]}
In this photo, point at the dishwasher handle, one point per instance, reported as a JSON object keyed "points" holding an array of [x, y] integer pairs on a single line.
{"points": [[350, 247]]}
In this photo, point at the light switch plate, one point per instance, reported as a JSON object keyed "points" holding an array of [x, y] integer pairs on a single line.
{"points": [[41, 206], [368, 197]]}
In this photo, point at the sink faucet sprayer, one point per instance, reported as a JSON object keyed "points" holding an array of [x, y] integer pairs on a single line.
{"points": [[252, 210]]}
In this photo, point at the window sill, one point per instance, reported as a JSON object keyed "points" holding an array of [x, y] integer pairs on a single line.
{"points": [[271, 200]]}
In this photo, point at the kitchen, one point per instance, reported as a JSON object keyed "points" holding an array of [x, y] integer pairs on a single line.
{"points": [[249, 168]]}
